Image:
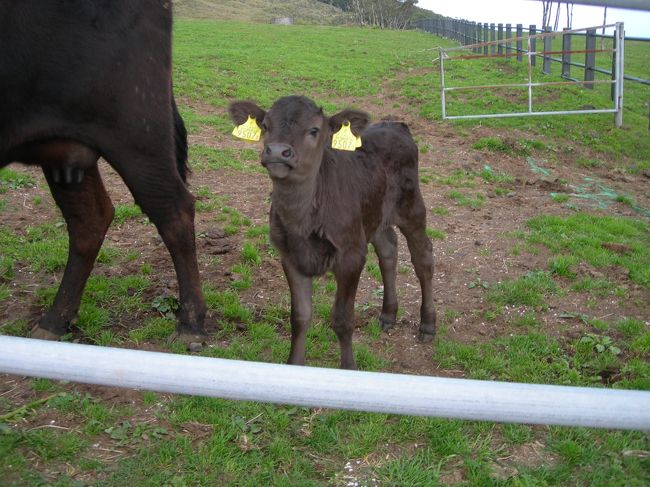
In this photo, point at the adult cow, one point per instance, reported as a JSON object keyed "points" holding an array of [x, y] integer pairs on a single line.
{"points": [[80, 79], [327, 205]]}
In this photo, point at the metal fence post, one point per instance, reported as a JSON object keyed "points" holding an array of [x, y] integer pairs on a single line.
{"points": [[500, 37], [590, 58], [566, 55], [532, 30], [520, 33], [443, 100], [614, 58], [508, 37], [548, 47], [620, 72]]}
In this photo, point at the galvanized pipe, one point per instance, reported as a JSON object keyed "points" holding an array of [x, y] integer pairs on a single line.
{"points": [[619, 70], [625, 4], [529, 114], [330, 388]]}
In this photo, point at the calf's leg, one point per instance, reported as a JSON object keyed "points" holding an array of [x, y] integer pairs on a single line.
{"points": [[301, 309], [347, 271], [412, 223], [385, 244], [88, 212]]}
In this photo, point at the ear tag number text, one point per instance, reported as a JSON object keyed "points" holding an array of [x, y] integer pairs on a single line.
{"points": [[249, 130], [344, 139]]}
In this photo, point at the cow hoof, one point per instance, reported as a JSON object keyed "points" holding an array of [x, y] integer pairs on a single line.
{"points": [[43, 334], [425, 337], [194, 342], [386, 325]]}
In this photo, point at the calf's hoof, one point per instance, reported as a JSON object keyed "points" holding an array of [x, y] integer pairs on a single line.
{"points": [[194, 342], [43, 334], [424, 337]]}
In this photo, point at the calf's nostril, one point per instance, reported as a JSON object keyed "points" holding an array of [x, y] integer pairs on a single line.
{"points": [[287, 153], [267, 151]]}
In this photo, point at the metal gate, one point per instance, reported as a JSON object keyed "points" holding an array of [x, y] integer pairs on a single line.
{"points": [[531, 52]]}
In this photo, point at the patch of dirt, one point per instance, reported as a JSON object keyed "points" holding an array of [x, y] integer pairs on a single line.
{"points": [[531, 456]]}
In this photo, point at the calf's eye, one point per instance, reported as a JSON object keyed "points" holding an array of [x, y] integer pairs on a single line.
{"points": [[314, 132]]}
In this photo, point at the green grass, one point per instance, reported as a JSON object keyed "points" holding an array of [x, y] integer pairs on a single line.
{"points": [[436, 234], [585, 238], [10, 179], [490, 176], [126, 212], [529, 290], [474, 202], [220, 61], [203, 157]]}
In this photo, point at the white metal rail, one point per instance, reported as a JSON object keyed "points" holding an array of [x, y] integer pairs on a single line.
{"points": [[330, 388]]}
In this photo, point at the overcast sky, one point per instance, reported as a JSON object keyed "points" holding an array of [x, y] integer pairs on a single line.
{"points": [[637, 23]]}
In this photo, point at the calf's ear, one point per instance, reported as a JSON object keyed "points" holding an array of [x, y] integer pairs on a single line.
{"points": [[358, 121], [240, 111]]}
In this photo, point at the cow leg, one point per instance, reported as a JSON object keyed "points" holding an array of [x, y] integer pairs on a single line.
{"points": [[347, 271], [412, 224], [88, 212], [161, 194], [385, 244], [301, 309]]}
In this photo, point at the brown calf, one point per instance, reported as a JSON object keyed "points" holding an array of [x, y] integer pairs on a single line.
{"points": [[327, 205]]}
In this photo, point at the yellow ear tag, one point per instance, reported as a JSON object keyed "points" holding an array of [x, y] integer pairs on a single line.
{"points": [[249, 130], [344, 139]]}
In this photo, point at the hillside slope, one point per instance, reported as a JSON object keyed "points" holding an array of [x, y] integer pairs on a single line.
{"points": [[302, 11]]}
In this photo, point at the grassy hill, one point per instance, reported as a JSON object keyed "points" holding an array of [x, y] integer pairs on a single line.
{"points": [[264, 11]]}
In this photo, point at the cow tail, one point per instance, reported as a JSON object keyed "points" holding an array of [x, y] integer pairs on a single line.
{"points": [[180, 143]]}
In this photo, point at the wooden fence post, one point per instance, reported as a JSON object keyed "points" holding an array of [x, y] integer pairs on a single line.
{"points": [[500, 37], [566, 55], [492, 38], [532, 30], [590, 58], [520, 45], [508, 37], [486, 38]]}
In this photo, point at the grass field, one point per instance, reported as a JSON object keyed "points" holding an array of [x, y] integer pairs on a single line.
{"points": [[540, 229]]}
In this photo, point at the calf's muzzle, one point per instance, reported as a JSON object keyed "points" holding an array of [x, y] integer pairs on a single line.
{"points": [[278, 159]]}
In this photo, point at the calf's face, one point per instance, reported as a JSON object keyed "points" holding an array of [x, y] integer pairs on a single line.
{"points": [[295, 133]]}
